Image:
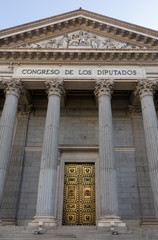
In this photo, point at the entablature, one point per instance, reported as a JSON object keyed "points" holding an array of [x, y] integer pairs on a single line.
{"points": [[87, 55]]}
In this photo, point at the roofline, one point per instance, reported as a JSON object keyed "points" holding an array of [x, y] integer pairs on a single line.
{"points": [[116, 21], [41, 20]]}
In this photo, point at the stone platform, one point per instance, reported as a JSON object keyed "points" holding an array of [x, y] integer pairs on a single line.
{"points": [[78, 233]]}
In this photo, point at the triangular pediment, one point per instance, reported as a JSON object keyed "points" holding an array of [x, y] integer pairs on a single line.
{"points": [[96, 31], [81, 39]]}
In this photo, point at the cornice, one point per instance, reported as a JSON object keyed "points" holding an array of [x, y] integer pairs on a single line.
{"points": [[136, 55], [72, 14], [78, 19]]}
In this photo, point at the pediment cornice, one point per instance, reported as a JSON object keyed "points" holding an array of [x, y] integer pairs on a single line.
{"points": [[76, 20], [58, 56]]}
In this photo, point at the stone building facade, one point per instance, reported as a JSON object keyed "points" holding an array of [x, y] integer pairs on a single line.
{"points": [[78, 126]]}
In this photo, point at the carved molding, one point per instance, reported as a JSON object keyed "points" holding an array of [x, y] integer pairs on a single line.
{"points": [[145, 87], [59, 158], [135, 110], [55, 86], [103, 87], [24, 109], [13, 86], [54, 55], [82, 39]]}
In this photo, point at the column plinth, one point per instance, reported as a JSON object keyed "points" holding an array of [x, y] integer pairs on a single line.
{"points": [[13, 88], [108, 182], [145, 90], [45, 210]]}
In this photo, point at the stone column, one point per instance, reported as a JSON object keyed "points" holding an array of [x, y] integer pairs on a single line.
{"points": [[13, 89], [45, 211], [108, 182], [8, 210], [145, 90]]}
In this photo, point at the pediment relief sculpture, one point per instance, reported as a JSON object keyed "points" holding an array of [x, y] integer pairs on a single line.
{"points": [[81, 39]]}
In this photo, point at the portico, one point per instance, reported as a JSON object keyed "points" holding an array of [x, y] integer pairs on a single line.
{"points": [[86, 152]]}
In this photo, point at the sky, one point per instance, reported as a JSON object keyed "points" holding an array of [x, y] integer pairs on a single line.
{"points": [[17, 12]]}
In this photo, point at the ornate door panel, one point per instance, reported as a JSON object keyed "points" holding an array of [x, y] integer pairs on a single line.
{"points": [[79, 194]]}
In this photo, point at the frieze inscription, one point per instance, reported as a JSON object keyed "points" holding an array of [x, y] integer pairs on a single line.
{"points": [[80, 72]]}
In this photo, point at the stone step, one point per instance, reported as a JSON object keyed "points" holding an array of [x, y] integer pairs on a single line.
{"points": [[20, 233], [81, 237], [37, 237], [121, 237], [134, 237]]}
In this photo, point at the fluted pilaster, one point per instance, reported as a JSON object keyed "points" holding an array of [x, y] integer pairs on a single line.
{"points": [[145, 90], [45, 210], [108, 181], [13, 88]]}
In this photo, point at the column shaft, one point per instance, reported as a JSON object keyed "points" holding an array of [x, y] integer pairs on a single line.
{"points": [[7, 122], [108, 188], [145, 89], [45, 211], [48, 172], [151, 137], [108, 180], [6, 134], [12, 185]]}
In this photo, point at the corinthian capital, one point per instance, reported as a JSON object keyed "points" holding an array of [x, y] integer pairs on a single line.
{"points": [[55, 86], [103, 87], [13, 86], [145, 87]]}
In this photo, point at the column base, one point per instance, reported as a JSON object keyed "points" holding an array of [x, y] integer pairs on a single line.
{"points": [[43, 221], [149, 221], [8, 221], [110, 221]]}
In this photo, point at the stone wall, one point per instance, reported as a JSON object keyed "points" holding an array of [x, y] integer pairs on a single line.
{"points": [[29, 186], [144, 185], [79, 126]]}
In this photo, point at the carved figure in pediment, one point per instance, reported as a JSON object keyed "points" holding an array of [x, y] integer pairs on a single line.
{"points": [[64, 41], [108, 44], [94, 42], [104, 44], [77, 39], [128, 46], [119, 45], [33, 45], [82, 39], [88, 39], [74, 40], [52, 44]]}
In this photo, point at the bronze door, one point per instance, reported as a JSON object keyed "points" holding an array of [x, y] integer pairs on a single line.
{"points": [[79, 194]]}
